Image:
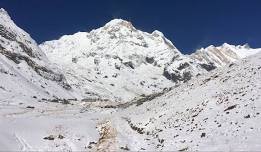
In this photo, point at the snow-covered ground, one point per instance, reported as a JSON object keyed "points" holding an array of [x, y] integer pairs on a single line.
{"points": [[118, 88], [25, 127], [218, 111]]}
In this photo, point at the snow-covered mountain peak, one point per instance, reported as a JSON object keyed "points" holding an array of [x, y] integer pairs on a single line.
{"points": [[116, 51], [224, 54], [126, 28], [157, 33], [116, 30], [127, 53], [4, 12], [120, 23], [116, 38], [226, 46], [122, 31], [116, 33]]}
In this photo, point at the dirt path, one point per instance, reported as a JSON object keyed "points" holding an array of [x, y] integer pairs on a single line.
{"points": [[107, 140]]}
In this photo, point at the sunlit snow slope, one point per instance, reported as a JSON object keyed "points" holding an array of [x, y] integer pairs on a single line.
{"points": [[25, 71], [220, 111]]}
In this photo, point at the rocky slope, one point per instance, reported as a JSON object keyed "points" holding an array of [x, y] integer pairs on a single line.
{"points": [[25, 70]]}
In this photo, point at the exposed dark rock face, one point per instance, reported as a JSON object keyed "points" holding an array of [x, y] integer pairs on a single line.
{"points": [[12, 37], [208, 67], [118, 67], [176, 57], [27, 50], [51, 137], [30, 57], [183, 66], [203, 135], [230, 107], [167, 74], [135, 128], [74, 60], [150, 60], [30, 107], [186, 76], [177, 76], [129, 64], [6, 34], [42, 71]]}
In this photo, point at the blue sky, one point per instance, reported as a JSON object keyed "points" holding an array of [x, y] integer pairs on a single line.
{"points": [[189, 24]]}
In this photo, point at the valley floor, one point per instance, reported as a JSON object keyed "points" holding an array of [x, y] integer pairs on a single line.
{"points": [[48, 126]]}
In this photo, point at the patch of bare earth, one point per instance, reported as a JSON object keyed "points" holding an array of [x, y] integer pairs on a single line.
{"points": [[107, 140]]}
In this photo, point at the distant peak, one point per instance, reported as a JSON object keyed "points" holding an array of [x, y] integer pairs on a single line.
{"points": [[3, 12], [157, 33], [210, 47], [119, 22], [224, 45], [247, 46], [116, 21], [227, 45]]}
